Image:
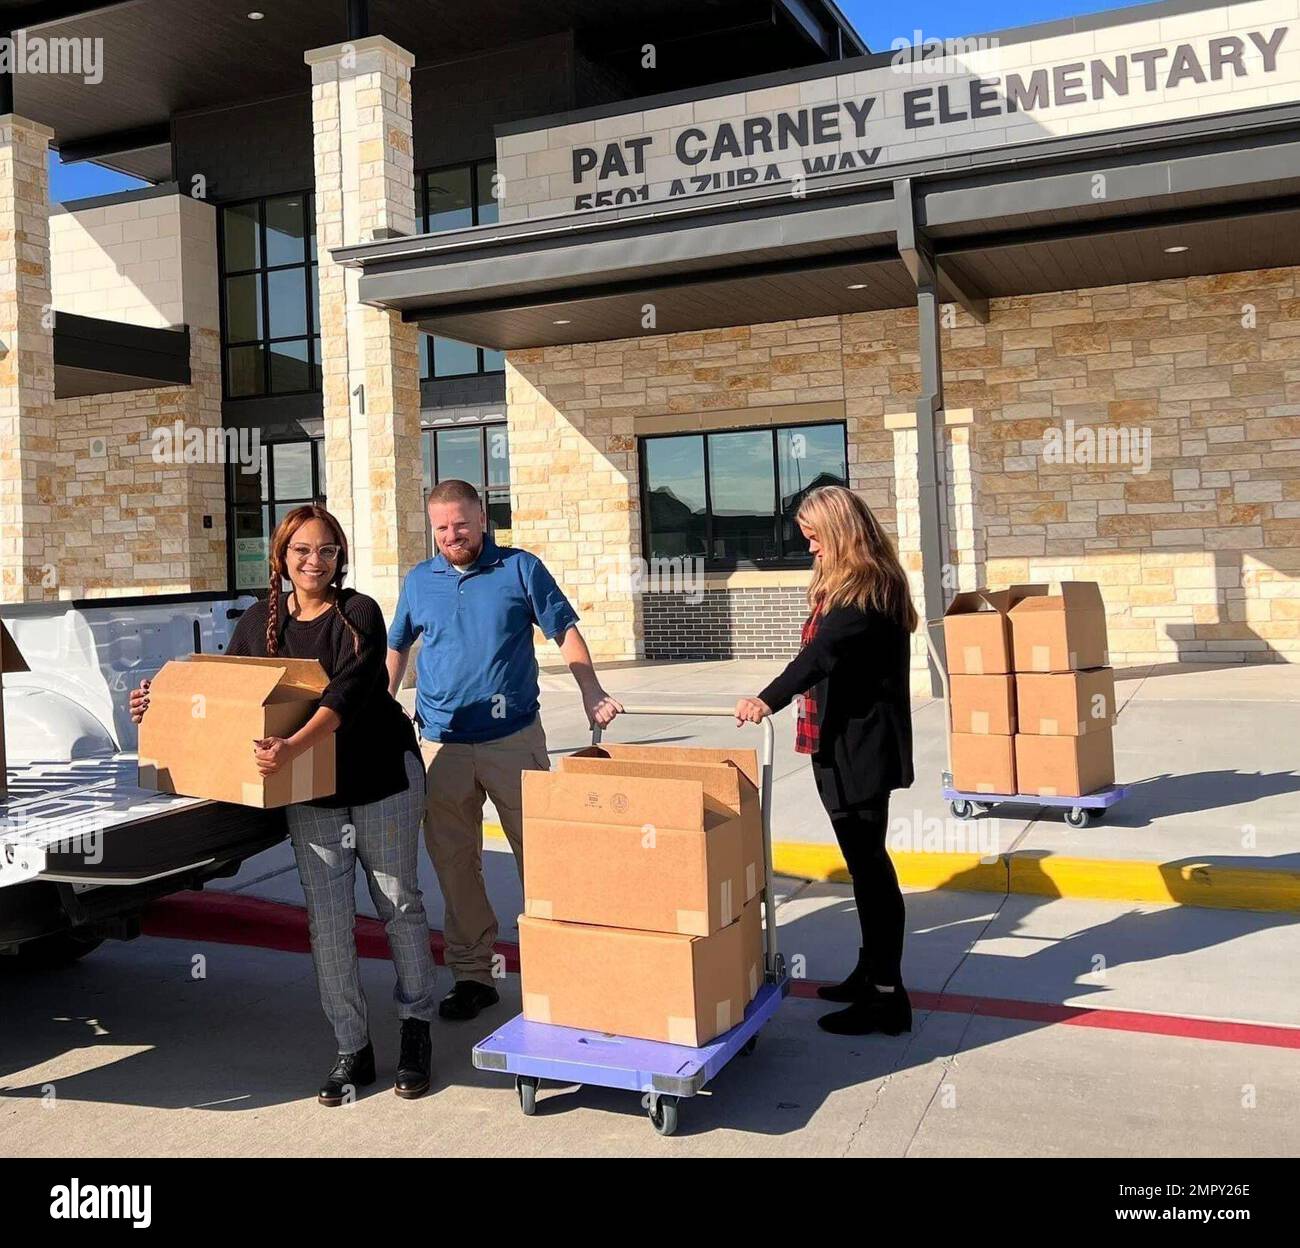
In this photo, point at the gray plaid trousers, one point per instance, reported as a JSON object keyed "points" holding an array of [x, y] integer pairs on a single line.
{"points": [[386, 840]]}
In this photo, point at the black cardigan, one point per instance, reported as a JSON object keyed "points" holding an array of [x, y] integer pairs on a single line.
{"points": [[374, 734], [858, 666]]}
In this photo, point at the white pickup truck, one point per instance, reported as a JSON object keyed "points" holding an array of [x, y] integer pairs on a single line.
{"points": [[82, 849]]}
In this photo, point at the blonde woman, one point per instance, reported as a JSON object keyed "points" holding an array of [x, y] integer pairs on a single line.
{"points": [[850, 680], [375, 814]]}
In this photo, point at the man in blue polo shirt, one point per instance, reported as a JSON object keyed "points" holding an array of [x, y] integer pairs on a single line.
{"points": [[474, 605]]}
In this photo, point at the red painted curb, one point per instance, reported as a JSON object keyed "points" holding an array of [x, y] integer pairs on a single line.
{"points": [[230, 919]]}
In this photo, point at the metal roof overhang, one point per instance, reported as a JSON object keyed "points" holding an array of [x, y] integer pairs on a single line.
{"points": [[93, 356], [999, 224]]}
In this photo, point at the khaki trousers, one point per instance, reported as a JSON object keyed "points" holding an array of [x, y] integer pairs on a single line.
{"points": [[458, 778]]}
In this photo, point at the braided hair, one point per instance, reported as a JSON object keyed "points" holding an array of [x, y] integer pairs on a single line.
{"points": [[280, 539]]}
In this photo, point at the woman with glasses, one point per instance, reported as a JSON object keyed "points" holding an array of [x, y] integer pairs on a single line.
{"points": [[375, 813]]}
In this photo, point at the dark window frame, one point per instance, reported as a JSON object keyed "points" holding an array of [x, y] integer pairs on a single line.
{"points": [[783, 562], [268, 505], [309, 266], [483, 429], [422, 177]]}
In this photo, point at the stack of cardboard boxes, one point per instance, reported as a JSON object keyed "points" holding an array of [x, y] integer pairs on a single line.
{"points": [[1031, 697], [643, 867]]}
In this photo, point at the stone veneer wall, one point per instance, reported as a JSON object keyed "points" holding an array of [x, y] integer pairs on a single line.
{"points": [[1199, 558], [574, 414], [122, 522]]}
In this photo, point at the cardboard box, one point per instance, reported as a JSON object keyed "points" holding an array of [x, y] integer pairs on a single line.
{"points": [[652, 985], [983, 704], [983, 764], [617, 844], [975, 634], [1065, 766], [745, 761], [206, 711], [752, 947], [1066, 704], [11, 660], [1063, 632]]}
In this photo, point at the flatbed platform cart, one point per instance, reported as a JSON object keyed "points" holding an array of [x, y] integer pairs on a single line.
{"points": [[1079, 811], [665, 1074]]}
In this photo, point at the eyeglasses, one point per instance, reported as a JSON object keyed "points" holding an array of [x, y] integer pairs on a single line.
{"points": [[300, 550]]}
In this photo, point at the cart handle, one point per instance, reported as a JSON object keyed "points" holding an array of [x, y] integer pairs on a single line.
{"points": [[764, 805]]}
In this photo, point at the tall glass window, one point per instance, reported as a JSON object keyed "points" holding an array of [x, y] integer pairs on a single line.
{"points": [[479, 454], [290, 474], [269, 300], [453, 199], [731, 497]]}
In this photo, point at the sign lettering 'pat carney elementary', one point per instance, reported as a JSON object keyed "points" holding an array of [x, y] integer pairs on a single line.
{"points": [[900, 110]]}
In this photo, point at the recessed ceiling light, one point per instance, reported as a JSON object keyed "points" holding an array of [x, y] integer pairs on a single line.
{"points": [[1174, 251], [561, 322], [857, 286], [255, 16]]}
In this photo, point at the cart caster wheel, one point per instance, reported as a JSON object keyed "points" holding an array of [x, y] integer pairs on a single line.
{"points": [[1076, 817], [526, 1086], [780, 966], [749, 1046], [962, 810], [663, 1114]]}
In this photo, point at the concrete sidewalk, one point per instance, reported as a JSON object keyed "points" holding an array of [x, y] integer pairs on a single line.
{"points": [[144, 1058]]}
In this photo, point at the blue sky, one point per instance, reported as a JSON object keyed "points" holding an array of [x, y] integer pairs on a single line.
{"points": [[878, 23]]}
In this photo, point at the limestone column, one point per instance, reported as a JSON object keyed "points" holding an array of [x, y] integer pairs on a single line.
{"points": [[26, 362], [365, 189], [966, 545]]}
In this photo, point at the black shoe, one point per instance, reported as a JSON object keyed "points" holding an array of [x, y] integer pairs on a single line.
{"points": [[858, 984], [887, 1012], [466, 999], [415, 1060], [350, 1072]]}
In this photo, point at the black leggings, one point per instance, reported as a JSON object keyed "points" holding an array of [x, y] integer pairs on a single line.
{"points": [[860, 830]]}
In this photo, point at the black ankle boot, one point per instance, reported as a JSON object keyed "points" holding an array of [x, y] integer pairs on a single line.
{"points": [[887, 1012], [350, 1071], [849, 989], [415, 1060]]}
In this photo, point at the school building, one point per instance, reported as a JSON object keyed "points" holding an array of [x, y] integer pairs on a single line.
{"points": [[646, 273]]}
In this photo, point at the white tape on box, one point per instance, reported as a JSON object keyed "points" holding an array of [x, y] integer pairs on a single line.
{"points": [[537, 908], [973, 660], [1041, 660], [979, 722], [722, 1016], [726, 902], [537, 1007]]}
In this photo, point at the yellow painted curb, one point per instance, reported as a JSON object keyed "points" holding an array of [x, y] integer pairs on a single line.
{"points": [[1045, 875]]}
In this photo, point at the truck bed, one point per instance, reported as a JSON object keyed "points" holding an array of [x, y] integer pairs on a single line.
{"points": [[87, 822]]}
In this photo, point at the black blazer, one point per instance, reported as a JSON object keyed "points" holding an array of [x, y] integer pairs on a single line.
{"points": [[858, 666]]}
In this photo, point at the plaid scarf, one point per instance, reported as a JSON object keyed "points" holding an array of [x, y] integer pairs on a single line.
{"points": [[807, 730]]}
